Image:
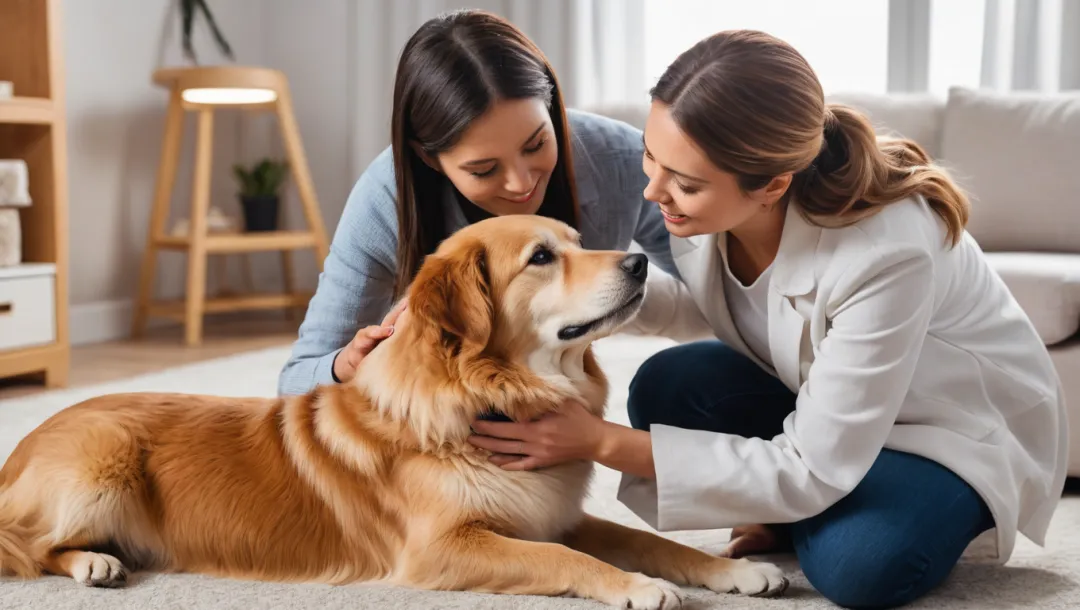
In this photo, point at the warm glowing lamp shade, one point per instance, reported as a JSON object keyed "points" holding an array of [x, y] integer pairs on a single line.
{"points": [[228, 95]]}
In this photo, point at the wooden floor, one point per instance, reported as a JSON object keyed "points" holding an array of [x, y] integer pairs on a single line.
{"points": [[164, 348]]}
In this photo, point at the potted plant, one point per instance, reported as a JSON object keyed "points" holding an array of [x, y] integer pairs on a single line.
{"points": [[259, 196]]}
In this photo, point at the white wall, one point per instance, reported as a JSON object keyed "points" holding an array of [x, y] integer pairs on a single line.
{"points": [[115, 121], [311, 46]]}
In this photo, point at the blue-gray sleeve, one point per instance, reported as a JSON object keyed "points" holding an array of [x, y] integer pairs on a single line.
{"points": [[355, 287]]}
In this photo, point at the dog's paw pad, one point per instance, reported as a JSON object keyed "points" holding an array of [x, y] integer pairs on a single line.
{"points": [[98, 570], [754, 578]]}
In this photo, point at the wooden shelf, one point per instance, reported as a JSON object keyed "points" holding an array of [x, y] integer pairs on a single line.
{"points": [[202, 241], [246, 242], [52, 359], [33, 128], [28, 110]]}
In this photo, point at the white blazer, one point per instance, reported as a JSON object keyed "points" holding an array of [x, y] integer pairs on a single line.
{"points": [[890, 339]]}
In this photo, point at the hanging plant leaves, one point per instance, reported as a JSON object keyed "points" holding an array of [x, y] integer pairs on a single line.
{"points": [[187, 12]]}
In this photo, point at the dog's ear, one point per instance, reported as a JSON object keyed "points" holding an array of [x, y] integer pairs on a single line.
{"points": [[453, 294]]}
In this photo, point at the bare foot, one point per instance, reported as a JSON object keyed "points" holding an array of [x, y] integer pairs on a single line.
{"points": [[755, 539]]}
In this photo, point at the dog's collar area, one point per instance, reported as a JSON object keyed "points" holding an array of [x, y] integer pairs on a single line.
{"points": [[494, 415]]}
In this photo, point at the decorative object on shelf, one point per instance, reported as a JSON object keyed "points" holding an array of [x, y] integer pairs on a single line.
{"points": [[10, 238], [216, 222], [7, 90], [259, 193], [14, 193], [14, 183]]}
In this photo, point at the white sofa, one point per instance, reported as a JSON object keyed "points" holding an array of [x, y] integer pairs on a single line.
{"points": [[1018, 156]]}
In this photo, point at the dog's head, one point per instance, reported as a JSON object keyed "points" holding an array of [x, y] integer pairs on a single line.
{"points": [[521, 287], [500, 318]]}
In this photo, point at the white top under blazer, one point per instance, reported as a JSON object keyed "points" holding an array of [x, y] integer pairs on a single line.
{"points": [[749, 307], [890, 338]]}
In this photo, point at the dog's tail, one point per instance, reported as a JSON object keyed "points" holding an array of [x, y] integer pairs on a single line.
{"points": [[15, 556], [15, 559]]}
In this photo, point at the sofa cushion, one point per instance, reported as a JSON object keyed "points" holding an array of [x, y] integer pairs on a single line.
{"points": [[1018, 155], [916, 116], [1047, 287]]}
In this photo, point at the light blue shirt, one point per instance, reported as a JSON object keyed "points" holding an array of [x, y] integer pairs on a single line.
{"points": [[356, 286]]}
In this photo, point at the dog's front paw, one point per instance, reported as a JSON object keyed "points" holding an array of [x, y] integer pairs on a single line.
{"points": [[648, 593], [755, 578]]}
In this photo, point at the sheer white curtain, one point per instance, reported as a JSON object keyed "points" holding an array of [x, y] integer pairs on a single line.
{"points": [[1031, 45], [609, 52], [994, 44], [878, 46], [594, 46], [846, 41]]}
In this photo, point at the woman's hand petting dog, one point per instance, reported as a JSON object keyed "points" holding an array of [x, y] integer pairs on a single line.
{"points": [[365, 340], [570, 434]]}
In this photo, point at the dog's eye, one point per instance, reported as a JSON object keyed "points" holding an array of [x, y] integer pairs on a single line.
{"points": [[542, 256]]}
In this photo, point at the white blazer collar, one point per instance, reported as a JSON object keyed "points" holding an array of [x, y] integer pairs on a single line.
{"points": [[793, 274], [794, 268]]}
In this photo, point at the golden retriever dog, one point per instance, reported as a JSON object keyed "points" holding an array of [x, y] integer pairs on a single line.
{"points": [[372, 480]]}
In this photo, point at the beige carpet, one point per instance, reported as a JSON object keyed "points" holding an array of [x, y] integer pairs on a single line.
{"points": [[1036, 578]]}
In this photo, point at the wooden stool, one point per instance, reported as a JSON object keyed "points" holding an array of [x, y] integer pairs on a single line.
{"points": [[202, 90]]}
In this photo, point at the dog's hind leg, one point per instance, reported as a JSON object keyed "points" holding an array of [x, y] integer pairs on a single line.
{"points": [[71, 498], [641, 551], [476, 559]]}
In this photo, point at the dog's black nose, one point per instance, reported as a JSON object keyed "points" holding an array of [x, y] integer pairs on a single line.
{"points": [[636, 266]]}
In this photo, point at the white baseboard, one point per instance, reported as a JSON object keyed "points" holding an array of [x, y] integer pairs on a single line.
{"points": [[103, 321], [100, 321]]}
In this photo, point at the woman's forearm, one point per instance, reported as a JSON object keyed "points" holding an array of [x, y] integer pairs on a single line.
{"points": [[626, 450]]}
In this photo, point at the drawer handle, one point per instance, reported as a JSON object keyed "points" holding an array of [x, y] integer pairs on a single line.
{"points": [[5, 308]]}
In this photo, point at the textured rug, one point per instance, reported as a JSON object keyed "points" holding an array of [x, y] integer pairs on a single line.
{"points": [[1036, 578]]}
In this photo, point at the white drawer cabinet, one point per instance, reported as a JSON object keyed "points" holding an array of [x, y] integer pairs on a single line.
{"points": [[27, 306]]}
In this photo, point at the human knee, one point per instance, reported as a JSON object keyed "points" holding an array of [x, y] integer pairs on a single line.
{"points": [[867, 578], [651, 388]]}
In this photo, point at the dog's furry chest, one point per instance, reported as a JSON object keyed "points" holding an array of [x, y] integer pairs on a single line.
{"points": [[538, 505]]}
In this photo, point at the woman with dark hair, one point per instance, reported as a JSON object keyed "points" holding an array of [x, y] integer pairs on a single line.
{"points": [[877, 396], [479, 128]]}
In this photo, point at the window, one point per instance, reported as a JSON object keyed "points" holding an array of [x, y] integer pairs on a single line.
{"points": [[845, 41], [956, 44]]}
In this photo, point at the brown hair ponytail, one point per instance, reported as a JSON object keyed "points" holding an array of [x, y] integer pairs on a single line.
{"points": [[755, 106]]}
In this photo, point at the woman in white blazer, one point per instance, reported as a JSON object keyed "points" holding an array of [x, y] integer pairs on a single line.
{"points": [[876, 395]]}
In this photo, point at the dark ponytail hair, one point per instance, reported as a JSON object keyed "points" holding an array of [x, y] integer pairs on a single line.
{"points": [[450, 72], [756, 107]]}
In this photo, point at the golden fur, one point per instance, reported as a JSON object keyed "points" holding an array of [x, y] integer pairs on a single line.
{"points": [[372, 479]]}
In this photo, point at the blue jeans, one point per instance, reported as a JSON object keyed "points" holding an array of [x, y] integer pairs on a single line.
{"points": [[895, 537]]}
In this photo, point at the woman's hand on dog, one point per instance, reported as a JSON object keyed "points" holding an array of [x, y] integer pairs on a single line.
{"points": [[365, 340], [571, 434]]}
